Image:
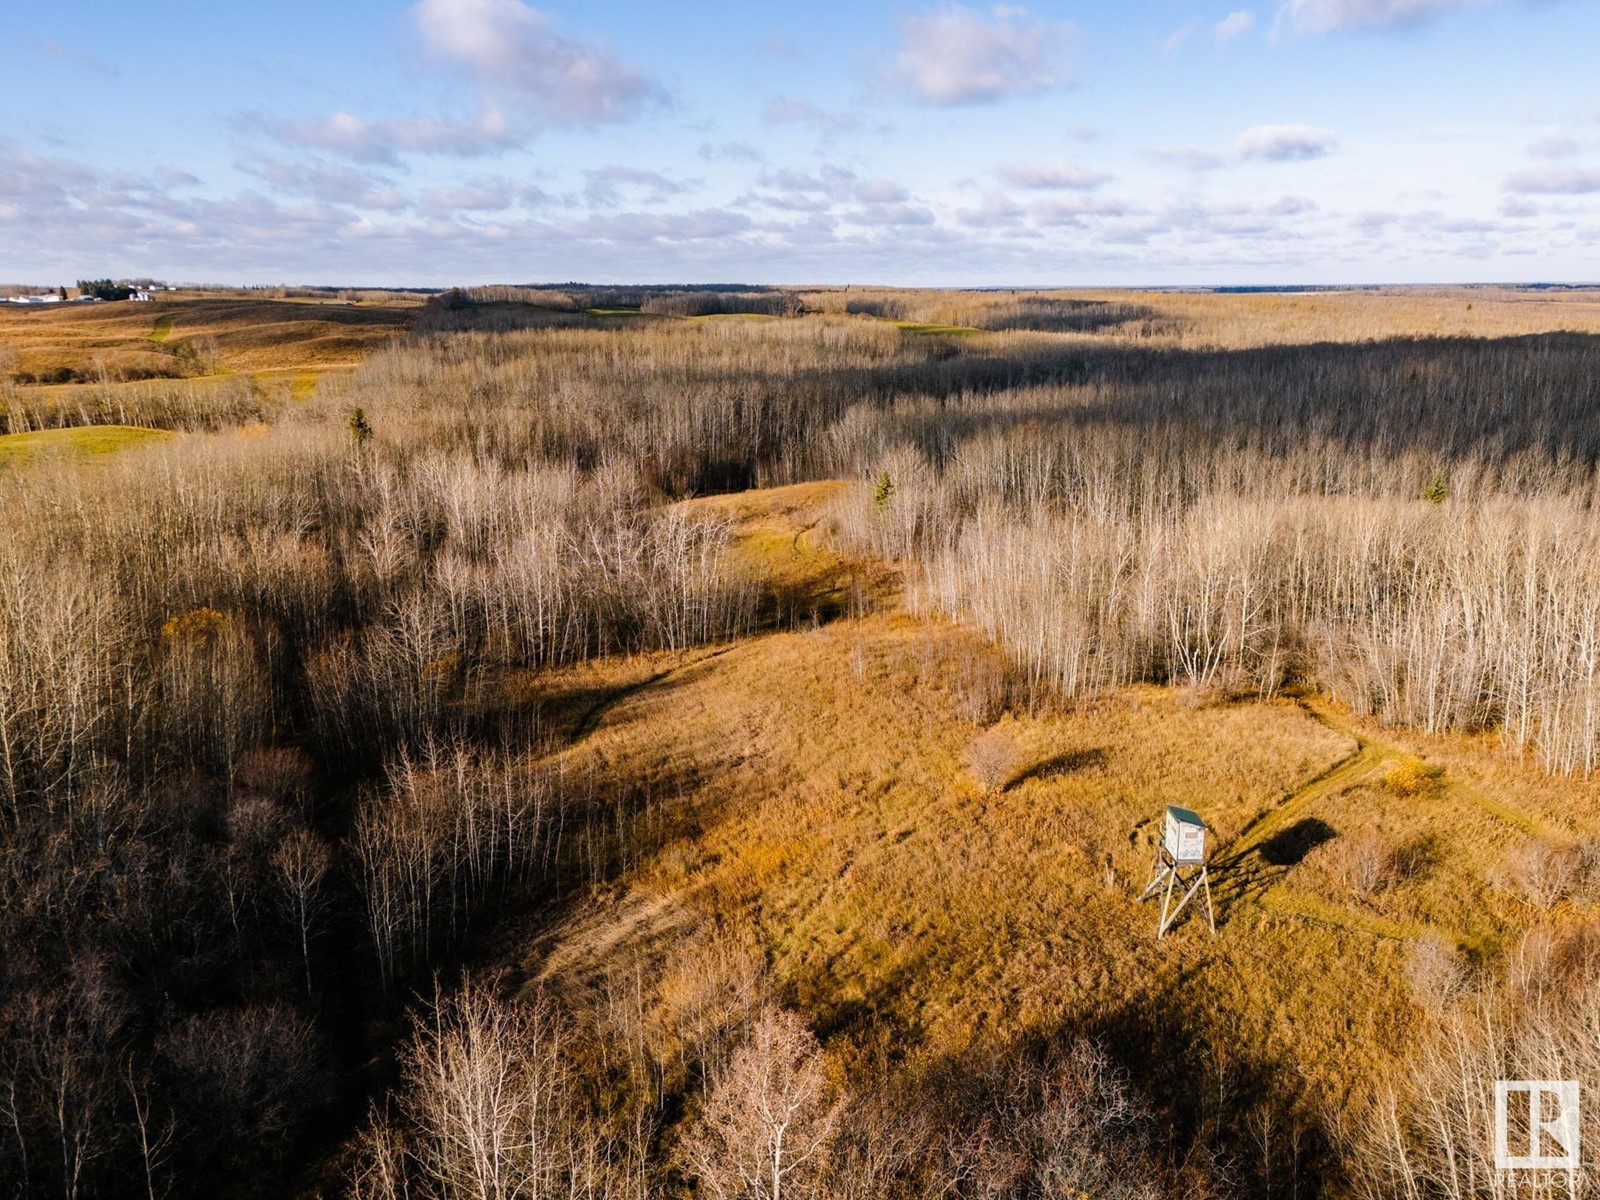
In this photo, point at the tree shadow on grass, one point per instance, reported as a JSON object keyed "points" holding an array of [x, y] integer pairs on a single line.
{"points": [[1061, 764], [1292, 843], [1242, 878]]}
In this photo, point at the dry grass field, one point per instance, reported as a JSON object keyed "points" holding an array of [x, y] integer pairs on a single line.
{"points": [[184, 337], [165, 337], [1201, 320], [183, 362], [85, 441], [811, 804]]}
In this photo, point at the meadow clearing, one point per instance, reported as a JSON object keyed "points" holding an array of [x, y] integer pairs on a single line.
{"points": [[523, 759]]}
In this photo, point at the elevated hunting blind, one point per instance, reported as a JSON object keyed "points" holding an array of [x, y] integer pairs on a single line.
{"points": [[1185, 836], [1181, 864]]}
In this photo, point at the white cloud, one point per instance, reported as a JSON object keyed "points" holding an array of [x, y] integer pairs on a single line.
{"points": [[1053, 176], [1554, 181], [699, 225], [881, 191], [995, 211], [42, 182], [787, 110], [731, 152], [368, 141], [1235, 24], [482, 195], [1329, 16], [604, 186], [1283, 143], [329, 183], [1180, 35], [888, 215], [880, 201], [836, 182], [1553, 147], [1072, 210], [507, 45], [958, 56], [1292, 206], [1191, 157]]}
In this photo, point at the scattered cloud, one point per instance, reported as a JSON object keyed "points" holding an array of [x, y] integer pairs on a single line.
{"points": [[29, 179], [831, 184], [1284, 143], [742, 152], [482, 195], [1330, 16], [1192, 158], [1553, 147], [777, 45], [172, 178], [1553, 181], [1235, 24], [960, 56], [1374, 222], [1261, 143], [787, 110], [328, 182], [57, 52], [1071, 210], [1180, 35], [1292, 206], [879, 215], [1053, 176], [368, 141], [881, 191], [699, 225], [510, 47], [995, 210], [829, 180], [604, 186]]}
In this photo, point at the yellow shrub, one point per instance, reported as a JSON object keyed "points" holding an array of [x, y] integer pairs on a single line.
{"points": [[1410, 776], [198, 626]]}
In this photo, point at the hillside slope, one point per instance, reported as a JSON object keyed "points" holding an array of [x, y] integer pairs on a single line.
{"points": [[808, 806]]}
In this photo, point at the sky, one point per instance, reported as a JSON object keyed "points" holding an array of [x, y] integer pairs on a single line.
{"points": [[1145, 142]]}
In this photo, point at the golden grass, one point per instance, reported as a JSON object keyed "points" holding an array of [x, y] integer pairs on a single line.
{"points": [[813, 806], [929, 329], [129, 340], [1217, 320], [84, 442], [1237, 321]]}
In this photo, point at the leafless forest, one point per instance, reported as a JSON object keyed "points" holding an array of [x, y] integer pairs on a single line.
{"points": [[267, 779]]}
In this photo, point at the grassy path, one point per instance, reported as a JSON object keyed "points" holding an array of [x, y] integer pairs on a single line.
{"points": [[597, 711], [1247, 871]]}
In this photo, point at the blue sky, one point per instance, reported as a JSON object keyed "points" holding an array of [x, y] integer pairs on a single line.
{"points": [[444, 141]]}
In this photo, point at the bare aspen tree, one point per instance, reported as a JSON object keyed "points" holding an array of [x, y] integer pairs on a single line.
{"points": [[485, 1109], [155, 1137], [990, 758], [301, 863], [770, 1119]]}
